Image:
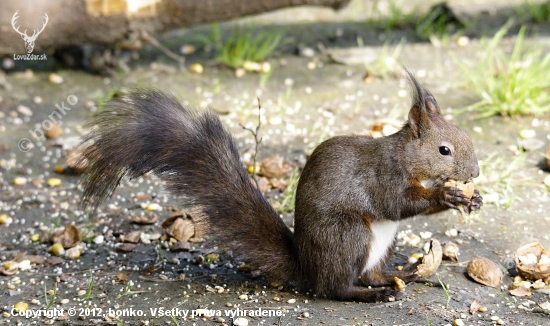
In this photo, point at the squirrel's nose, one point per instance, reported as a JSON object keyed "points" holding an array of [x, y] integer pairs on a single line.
{"points": [[475, 172]]}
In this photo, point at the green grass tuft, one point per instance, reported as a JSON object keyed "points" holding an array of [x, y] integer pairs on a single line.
{"points": [[247, 45], [535, 11], [510, 84]]}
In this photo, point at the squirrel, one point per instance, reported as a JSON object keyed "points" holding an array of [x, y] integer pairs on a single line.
{"points": [[351, 196]]}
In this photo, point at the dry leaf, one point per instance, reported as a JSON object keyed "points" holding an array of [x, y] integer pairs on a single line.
{"points": [[520, 292], [484, 271], [54, 260], [132, 237], [474, 307], [8, 271], [430, 261], [275, 167], [279, 184], [179, 226], [263, 184], [35, 259], [68, 237], [368, 77], [122, 278], [126, 247], [533, 261], [180, 246]]}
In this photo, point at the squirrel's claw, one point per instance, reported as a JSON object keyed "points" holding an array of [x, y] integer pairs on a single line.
{"points": [[475, 202], [454, 197]]}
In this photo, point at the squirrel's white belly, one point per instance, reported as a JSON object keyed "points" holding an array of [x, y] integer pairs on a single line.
{"points": [[383, 235]]}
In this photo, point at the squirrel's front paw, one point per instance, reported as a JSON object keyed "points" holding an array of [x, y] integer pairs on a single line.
{"points": [[453, 197], [475, 202]]}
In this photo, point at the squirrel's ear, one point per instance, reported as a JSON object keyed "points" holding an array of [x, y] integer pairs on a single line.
{"points": [[420, 114], [431, 106], [416, 119]]}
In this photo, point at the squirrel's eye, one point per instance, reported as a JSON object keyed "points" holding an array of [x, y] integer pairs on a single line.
{"points": [[444, 150]]}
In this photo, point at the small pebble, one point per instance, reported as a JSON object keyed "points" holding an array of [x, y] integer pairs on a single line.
{"points": [[239, 72], [25, 265], [54, 182], [527, 133], [5, 219], [72, 253], [307, 52], [240, 322], [55, 78], [21, 306], [153, 207], [54, 132], [187, 49], [99, 239], [463, 41], [451, 233], [546, 181], [291, 301], [65, 301], [458, 322], [19, 181], [426, 235], [57, 249], [243, 297], [196, 68], [24, 110], [8, 63]]}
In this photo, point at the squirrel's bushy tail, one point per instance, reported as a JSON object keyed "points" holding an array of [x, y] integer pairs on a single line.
{"points": [[196, 158]]}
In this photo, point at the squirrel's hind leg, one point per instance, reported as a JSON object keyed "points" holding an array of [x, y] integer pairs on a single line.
{"points": [[360, 294]]}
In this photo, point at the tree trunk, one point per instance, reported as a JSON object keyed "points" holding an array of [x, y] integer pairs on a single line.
{"points": [[76, 22]]}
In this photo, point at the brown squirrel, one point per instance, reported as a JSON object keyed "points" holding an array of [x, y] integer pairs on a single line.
{"points": [[351, 196]]}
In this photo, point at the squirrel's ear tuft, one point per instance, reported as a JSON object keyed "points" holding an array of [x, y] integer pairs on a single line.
{"points": [[431, 105], [417, 119]]}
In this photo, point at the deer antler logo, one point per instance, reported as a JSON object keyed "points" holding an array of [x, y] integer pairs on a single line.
{"points": [[29, 40]]}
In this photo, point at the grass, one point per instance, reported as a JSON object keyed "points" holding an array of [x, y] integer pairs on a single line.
{"points": [[128, 291], [50, 298], [428, 322], [439, 22], [89, 295], [287, 204], [386, 62], [535, 11], [510, 84], [445, 287], [394, 16], [248, 45]]}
